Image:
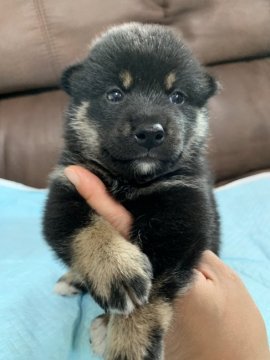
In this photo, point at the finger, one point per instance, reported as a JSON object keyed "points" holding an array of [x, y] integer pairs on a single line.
{"points": [[208, 265], [213, 267], [198, 276], [92, 189]]}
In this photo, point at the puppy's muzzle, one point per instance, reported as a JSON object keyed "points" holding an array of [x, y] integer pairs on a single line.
{"points": [[150, 135]]}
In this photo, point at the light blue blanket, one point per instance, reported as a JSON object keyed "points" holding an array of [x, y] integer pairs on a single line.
{"points": [[37, 324]]}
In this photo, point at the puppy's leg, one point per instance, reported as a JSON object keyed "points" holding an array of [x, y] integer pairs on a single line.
{"points": [[70, 284], [115, 271], [139, 336]]}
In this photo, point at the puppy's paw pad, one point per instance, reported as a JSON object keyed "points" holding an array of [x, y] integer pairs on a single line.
{"points": [[98, 334], [65, 289]]}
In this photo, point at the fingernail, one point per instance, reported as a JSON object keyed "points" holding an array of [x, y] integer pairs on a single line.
{"points": [[72, 176]]}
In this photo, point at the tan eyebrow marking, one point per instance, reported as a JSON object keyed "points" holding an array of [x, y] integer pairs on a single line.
{"points": [[126, 78], [169, 80]]}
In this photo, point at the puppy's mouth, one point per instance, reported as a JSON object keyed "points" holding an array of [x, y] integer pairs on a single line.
{"points": [[146, 155], [143, 168]]}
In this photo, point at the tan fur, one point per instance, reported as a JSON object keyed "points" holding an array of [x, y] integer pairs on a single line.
{"points": [[71, 277], [102, 255], [130, 336], [126, 129], [67, 284], [86, 130], [58, 174], [169, 80], [126, 78], [200, 131], [98, 334]]}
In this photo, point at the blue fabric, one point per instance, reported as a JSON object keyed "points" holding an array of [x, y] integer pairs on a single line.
{"points": [[37, 324]]}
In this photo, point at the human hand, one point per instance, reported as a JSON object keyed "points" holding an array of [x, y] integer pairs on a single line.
{"points": [[216, 319]]}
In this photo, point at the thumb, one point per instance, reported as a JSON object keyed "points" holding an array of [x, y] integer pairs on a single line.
{"points": [[92, 189]]}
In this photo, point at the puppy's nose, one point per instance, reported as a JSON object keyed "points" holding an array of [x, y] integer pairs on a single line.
{"points": [[149, 136]]}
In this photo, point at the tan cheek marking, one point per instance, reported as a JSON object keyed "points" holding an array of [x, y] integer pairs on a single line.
{"points": [[169, 80], [126, 78], [130, 336], [101, 254], [86, 130]]}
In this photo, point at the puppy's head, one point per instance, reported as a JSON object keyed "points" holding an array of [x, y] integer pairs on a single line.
{"points": [[138, 102]]}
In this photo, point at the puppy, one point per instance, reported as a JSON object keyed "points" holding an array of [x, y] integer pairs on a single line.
{"points": [[137, 119]]}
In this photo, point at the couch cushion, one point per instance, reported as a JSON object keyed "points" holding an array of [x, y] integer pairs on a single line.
{"points": [[239, 119], [39, 38], [30, 136]]}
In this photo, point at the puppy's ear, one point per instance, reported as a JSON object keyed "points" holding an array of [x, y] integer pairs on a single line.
{"points": [[207, 87], [212, 86], [71, 77]]}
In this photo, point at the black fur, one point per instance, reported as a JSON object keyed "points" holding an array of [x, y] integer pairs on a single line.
{"points": [[173, 223], [155, 349]]}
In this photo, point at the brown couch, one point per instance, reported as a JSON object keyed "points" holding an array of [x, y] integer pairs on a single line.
{"points": [[40, 38]]}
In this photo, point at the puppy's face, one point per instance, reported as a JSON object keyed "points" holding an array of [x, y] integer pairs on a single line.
{"points": [[138, 102]]}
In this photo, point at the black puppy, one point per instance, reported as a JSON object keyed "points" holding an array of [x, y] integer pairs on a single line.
{"points": [[138, 120]]}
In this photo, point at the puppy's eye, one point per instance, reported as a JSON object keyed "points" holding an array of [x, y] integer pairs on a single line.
{"points": [[177, 97], [114, 95]]}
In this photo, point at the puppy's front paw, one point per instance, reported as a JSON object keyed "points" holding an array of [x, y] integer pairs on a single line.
{"points": [[131, 285], [116, 272], [123, 282]]}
